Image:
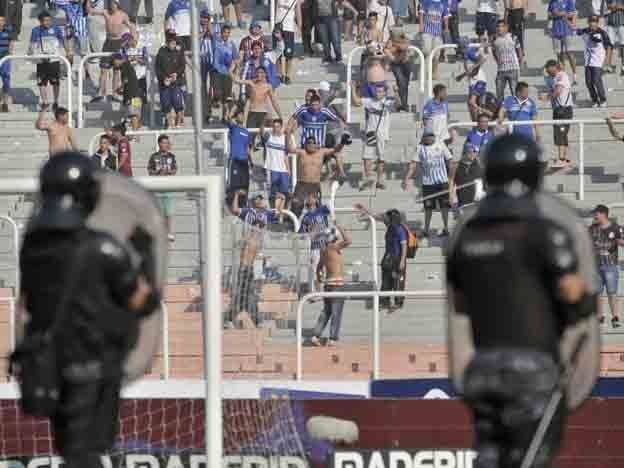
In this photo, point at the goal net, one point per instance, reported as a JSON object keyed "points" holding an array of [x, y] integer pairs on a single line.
{"points": [[163, 424], [159, 430], [266, 269]]}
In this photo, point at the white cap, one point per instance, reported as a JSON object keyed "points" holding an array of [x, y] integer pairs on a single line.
{"points": [[324, 86]]}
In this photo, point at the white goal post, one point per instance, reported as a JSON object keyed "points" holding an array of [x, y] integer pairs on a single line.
{"points": [[211, 267]]}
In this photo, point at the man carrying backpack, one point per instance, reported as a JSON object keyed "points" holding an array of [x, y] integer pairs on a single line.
{"points": [[401, 244]]}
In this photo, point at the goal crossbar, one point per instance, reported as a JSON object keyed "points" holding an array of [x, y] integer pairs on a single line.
{"points": [[211, 187]]}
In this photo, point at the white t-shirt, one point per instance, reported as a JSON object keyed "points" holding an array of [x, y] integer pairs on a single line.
{"points": [[137, 53], [383, 11], [276, 152], [286, 14], [565, 98], [373, 110], [486, 6]]}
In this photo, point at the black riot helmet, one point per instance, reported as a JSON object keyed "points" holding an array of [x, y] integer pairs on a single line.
{"points": [[68, 192], [510, 158]]}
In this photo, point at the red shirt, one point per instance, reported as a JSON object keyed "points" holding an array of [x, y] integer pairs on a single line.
{"points": [[123, 148]]}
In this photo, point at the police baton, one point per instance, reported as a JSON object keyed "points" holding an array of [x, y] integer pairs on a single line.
{"points": [[555, 399]]}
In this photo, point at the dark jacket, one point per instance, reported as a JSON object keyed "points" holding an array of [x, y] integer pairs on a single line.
{"points": [[12, 11], [110, 162], [170, 61]]}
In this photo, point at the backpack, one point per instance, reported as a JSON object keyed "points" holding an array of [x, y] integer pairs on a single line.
{"points": [[412, 242]]}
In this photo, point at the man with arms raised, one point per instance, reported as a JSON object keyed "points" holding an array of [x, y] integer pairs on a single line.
{"points": [[332, 266], [60, 136], [311, 160]]}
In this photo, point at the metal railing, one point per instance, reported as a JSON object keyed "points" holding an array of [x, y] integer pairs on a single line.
{"points": [[373, 228], [421, 58], [433, 294], [83, 60], [187, 131], [165, 341], [16, 236], [68, 69], [149, 81], [581, 138], [156, 133], [433, 53], [12, 322]]}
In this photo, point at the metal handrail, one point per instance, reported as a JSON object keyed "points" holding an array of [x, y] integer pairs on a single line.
{"points": [[16, 235], [433, 294], [68, 68], [421, 57], [580, 122], [83, 60], [373, 227], [430, 62], [184, 131], [165, 341]]}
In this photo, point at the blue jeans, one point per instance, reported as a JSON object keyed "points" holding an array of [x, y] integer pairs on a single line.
{"points": [[5, 76], [609, 278], [332, 310], [330, 34]]}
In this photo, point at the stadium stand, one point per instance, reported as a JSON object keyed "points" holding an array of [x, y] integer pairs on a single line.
{"points": [[412, 338]]}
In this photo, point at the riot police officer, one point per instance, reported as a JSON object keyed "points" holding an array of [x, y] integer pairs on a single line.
{"points": [[89, 289], [522, 318]]}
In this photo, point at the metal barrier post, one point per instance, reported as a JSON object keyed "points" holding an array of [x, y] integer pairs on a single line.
{"points": [[83, 60], [15, 233], [349, 77], [433, 53], [165, 341], [373, 227], [68, 68], [581, 161], [272, 13], [433, 294], [11, 301]]}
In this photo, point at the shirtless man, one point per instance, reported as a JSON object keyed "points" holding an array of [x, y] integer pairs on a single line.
{"points": [[260, 93], [117, 23], [332, 264], [60, 136], [310, 160]]}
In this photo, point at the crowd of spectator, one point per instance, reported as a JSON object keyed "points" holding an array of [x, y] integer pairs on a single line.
{"points": [[241, 81]]}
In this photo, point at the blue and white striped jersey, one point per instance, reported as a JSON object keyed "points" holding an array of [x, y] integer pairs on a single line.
{"points": [[433, 160], [434, 12], [314, 123], [257, 218], [76, 19], [178, 17], [315, 223]]}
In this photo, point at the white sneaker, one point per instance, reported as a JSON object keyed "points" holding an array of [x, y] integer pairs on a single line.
{"points": [[603, 105], [171, 237], [595, 105]]}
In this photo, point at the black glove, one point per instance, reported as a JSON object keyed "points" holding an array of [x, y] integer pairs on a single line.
{"points": [[346, 139], [141, 241], [341, 180]]}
